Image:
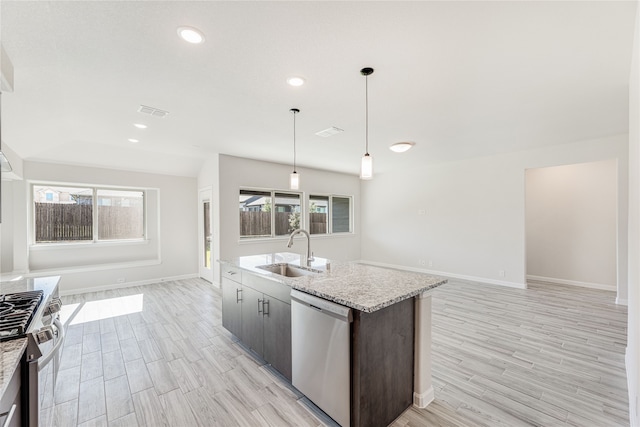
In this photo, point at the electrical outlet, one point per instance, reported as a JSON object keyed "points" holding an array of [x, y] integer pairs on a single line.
{"points": [[501, 273], [430, 263], [422, 262], [422, 211], [120, 280]]}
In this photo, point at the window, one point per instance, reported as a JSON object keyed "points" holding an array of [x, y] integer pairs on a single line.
{"points": [[329, 213], [76, 214], [268, 213]]}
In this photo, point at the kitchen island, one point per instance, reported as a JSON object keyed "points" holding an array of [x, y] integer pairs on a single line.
{"points": [[391, 329]]}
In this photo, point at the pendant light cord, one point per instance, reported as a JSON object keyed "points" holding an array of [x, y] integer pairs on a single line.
{"points": [[366, 115], [294, 142]]}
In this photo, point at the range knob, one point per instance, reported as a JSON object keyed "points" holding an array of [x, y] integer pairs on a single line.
{"points": [[55, 305], [44, 334]]}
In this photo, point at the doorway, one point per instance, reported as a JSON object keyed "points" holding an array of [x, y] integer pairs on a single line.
{"points": [[205, 235], [571, 224]]}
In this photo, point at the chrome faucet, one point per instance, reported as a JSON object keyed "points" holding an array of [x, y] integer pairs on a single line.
{"points": [[309, 253]]}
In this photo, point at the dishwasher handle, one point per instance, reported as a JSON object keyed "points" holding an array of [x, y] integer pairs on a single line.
{"points": [[322, 305]]}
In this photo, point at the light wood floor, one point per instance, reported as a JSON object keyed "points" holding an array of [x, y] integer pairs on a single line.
{"points": [[549, 355]]}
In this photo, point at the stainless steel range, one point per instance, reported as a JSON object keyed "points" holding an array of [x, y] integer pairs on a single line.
{"points": [[34, 315]]}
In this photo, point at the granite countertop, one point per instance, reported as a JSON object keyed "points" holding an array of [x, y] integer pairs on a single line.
{"points": [[11, 351], [356, 285], [10, 354]]}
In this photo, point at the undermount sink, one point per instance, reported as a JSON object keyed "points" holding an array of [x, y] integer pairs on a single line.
{"points": [[288, 270]]}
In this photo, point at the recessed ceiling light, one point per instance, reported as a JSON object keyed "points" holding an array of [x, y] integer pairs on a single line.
{"points": [[191, 35], [295, 81], [140, 125], [401, 147], [133, 140]]}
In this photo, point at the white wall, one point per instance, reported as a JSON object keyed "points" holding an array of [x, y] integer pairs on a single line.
{"points": [[633, 331], [235, 172], [474, 221], [170, 252], [571, 223]]}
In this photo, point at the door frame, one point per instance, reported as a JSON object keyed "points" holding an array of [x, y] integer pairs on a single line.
{"points": [[205, 194]]}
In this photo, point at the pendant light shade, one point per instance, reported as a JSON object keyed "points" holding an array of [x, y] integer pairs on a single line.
{"points": [[366, 164], [294, 178], [294, 181], [366, 167]]}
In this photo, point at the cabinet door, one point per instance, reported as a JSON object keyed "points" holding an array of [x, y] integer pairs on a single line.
{"points": [[277, 335], [251, 334], [231, 308]]}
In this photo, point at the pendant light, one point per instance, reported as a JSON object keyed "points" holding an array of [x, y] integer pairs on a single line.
{"points": [[294, 178], [366, 165]]}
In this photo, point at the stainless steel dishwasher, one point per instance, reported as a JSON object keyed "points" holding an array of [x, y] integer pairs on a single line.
{"points": [[321, 358]]}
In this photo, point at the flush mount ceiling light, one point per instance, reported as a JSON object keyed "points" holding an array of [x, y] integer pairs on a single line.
{"points": [[133, 140], [140, 125], [366, 165], [191, 35], [295, 81], [294, 178], [401, 147]]}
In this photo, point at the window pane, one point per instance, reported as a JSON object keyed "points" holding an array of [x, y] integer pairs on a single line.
{"points": [[340, 211], [255, 213], [120, 214], [63, 214], [318, 209], [287, 213]]}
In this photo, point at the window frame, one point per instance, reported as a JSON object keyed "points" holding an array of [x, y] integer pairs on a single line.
{"points": [[272, 195], [330, 197], [94, 203]]}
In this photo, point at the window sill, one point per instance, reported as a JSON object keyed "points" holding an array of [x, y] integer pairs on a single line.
{"points": [[84, 245]]}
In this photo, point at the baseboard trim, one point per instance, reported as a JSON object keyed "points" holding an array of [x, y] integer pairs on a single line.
{"points": [[112, 286], [422, 400], [446, 274], [600, 286]]}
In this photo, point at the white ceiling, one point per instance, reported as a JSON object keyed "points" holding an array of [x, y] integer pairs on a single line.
{"points": [[460, 79]]}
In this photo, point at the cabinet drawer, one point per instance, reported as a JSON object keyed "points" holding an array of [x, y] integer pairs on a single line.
{"points": [[231, 272], [269, 287]]}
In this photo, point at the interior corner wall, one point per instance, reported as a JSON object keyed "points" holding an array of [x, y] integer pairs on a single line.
{"points": [[171, 252], [236, 173], [571, 223], [633, 322], [466, 219], [6, 240]]}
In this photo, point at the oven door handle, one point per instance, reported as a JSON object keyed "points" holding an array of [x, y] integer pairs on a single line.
{"points": [[44, 361]]}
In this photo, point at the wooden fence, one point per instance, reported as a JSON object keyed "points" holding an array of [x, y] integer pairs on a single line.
{"points": [[317, 223], [56, 222], [258, 223]]}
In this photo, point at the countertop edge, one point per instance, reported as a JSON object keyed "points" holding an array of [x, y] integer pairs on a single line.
{"points": [[308, 284]]}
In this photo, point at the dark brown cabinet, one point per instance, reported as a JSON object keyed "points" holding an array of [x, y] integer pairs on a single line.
{"points": [[258, 311], [382, 363], [231, 300], [252, 319], [277, 335]]}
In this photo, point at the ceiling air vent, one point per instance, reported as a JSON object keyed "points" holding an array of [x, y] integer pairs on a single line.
{"points": [[152, 111], [329, 132]]}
